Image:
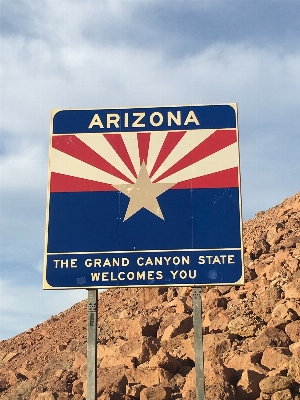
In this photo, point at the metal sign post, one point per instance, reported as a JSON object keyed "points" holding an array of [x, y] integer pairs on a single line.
{"points": [[92, 323], [198, 343]]}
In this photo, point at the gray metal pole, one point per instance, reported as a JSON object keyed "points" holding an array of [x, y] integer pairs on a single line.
{"points": [[92, 323], [198, 343]]}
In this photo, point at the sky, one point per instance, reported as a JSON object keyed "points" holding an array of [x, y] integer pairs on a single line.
{"points": [[119, 53]]}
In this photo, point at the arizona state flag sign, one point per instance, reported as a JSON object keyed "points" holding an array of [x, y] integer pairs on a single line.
{"points": [[144, 196]]}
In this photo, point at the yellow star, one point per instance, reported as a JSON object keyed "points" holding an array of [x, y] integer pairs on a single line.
{"points": [[143, 194]]}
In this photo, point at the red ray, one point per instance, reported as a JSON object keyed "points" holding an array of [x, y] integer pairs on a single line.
{"points": [[117, 143], [169, 144], [66, 183], [143, 144], [72, 145], [215, 142], [222, 179]]}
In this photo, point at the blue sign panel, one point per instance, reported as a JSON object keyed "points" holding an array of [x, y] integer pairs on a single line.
{"points": [[144, 196]]}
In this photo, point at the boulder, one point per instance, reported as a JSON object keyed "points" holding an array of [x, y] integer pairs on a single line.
{"points": [[248, 385], [274, 356], [269, 337], [156, 393], [293, 331], [273, 384]]}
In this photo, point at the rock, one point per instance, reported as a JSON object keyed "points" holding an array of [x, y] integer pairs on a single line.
{"points": [[216, 320], [142, 348], [184, 305], [113, 379], [269, 337], [275, 383], [243, 326], [294, 366], [190, 383], [248, 385], [292, 289], [129, 361], [182, 323], [217, 346], [79, 359], [261, 246], [274, 356], [134, 389], [281, 316], [10, 356], [163, 359], [293, 331], [248, 361], [217, 381], [156, 393], [188, 346], [149, 376], [146, 295], [45, 396], [282, 395], [264, 304]]}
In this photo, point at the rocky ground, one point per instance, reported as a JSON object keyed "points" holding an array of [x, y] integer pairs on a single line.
{"points": [[145, 335]]}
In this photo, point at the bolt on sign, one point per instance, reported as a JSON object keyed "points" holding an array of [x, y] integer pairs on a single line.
{"points": [[144, 196]]}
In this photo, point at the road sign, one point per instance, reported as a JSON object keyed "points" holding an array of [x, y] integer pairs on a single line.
{"points": [[144, 196]]}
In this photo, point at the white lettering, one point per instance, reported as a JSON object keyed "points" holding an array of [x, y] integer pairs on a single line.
{"points": [[230, 260], [176, 260], [126, 120], [167, 260], [107, 263], [159, 275], [112, 119], [96, 121], [183, 274], [191, 117], [140, 275], [192, 276], [140, 116], [160, 119], [125, 262], [174, 273], [216, 260], [171, 117], [140, 261], [149, 261]]}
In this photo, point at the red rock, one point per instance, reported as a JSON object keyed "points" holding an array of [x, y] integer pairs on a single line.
{"points": [[79, 359], [282, 395], [275, 383], [156, 393], [248, 361], [149, 376], [292, 289], [113, 379], [281, 316], [243, 326], [269, 337], [265, 302], [134, 389], [293, 331], [294, 366], [142, 348], [248, 385], [163, 359], [274, 356]]}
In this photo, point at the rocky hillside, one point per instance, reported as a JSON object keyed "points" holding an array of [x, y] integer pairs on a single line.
{"points": [[145, 336]]}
